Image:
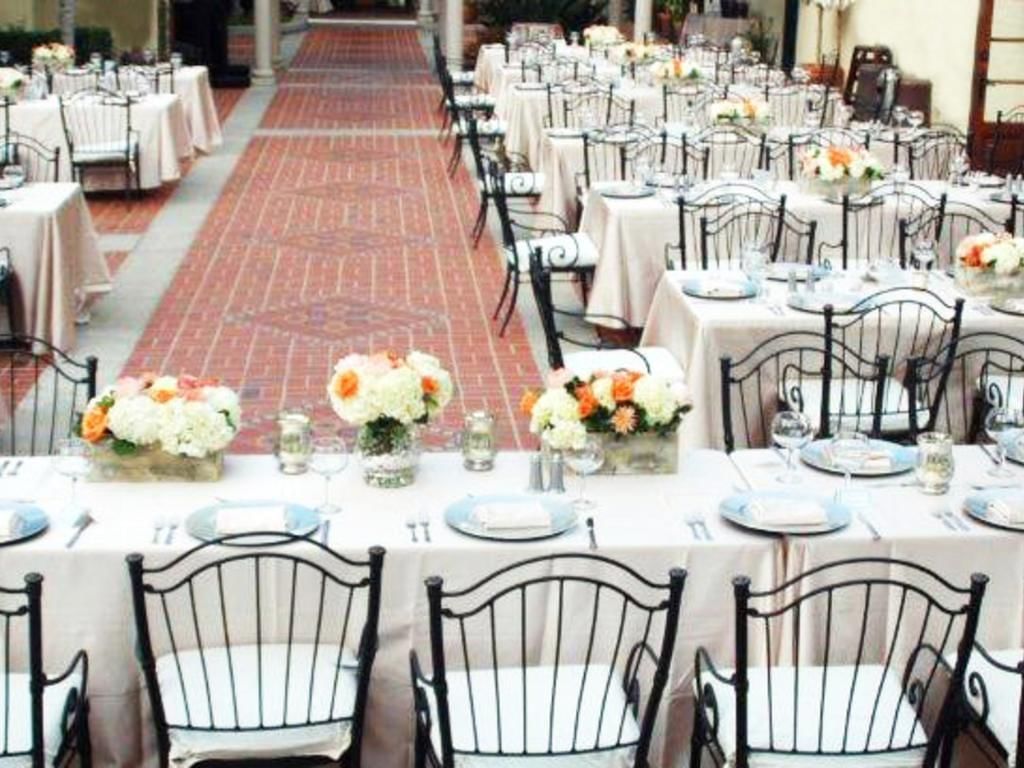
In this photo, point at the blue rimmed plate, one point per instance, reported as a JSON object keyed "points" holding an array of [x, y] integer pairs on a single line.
{"points": [[719, 288], [902, 459], [29, 521], [780, 271], [736, 510], [841, 301], [299, 521], [624, 191], [461, 516], [976, 505]]}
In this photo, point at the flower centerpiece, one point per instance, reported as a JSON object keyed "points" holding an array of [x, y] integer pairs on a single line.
{"points": [[11, 83], [991, 265], [601, 36], [840, 170], [740, 112], [161, 428], [389, 397], [53, 56], [675, 69], [632, 53], [637, 416]]}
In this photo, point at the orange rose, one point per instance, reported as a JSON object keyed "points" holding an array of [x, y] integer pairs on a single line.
{"points": [[346, 384], [840, 156], [94, 425], [429, 385], [528, 400], [622, 388], [587, 402]]}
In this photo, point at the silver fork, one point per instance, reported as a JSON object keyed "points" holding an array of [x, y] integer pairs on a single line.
{"points": [[410, 523], [423, 517], [15, 468], [940, 515], [698, 526], [158, 525], [172, 527]]}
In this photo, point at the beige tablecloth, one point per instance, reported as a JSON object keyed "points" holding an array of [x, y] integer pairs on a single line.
{"points": [[192, 84], [699, 332], [55, 253], [631, 236], [164, 138]]}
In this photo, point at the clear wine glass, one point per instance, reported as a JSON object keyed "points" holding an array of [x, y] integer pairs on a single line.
{"points": [[328, 459], [755, 265], [791, 430], [849, 451], [14, 176], [72, 460], [642, 172], [585, 460], [924, 253], [149, 57], [5, 58], [915, 119], [1003, 426]]}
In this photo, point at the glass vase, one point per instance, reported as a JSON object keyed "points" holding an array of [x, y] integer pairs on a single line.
{"points": [[389, 454]]}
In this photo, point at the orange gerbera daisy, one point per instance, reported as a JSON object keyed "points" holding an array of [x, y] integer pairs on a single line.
{"points": [[840, 156], [624, 420], [622, 387], [346, 384]]}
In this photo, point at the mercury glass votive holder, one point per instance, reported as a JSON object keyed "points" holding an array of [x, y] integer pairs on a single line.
{"points": [[935, 464], [294, 442], [479, 441]]}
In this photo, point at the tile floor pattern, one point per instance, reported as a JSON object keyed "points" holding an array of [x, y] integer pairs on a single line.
{"points": [[323, 245]]}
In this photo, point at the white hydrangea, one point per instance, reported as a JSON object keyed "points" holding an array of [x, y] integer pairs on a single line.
{"points": [[224, 400], [135, 419], [653, 394], [602, 389], [398, 395], [564, 435], [554, 405], [1004, 257], [193, 428]]}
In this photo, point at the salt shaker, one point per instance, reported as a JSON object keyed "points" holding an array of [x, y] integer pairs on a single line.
{"points": [[536, 473], [556, 482]]}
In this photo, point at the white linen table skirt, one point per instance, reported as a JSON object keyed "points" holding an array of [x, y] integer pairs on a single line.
{"points": [[699, 332], [164, 139], [55, 254], [192, 84], [640, 521]]}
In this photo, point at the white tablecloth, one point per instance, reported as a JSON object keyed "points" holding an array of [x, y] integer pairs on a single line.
{"points": [[55, 253], [699, 332], [164, 139], [631, 236], [639, 521], [192, 84]]}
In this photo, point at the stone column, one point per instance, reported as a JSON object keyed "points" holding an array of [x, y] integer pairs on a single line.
{"points": [[453, 33], [263, 22], [643, 21], [275, 39]]}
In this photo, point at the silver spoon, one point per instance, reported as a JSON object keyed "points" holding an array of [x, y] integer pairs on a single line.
{"points": [[84, 521]]}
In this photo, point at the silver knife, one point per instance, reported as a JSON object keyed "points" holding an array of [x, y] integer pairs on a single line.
{"points": [[78, 532]]}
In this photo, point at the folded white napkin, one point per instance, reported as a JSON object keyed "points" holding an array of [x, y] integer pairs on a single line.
{"points": [[1009, 511], [874, 461], [512, 514], [723, 288], [239, 519], [786, 512], [9, 521]]}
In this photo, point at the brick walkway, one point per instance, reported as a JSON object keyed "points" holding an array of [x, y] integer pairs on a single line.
{"points": [[320, 246]]}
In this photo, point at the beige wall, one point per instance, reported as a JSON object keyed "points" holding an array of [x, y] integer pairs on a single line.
{"points": [[132, 22]]}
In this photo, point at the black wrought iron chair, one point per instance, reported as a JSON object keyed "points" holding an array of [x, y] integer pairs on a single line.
{"points": [[158, 78], [798, 371], [280, 672], [40, 163], [44, 391], [1007, 142], [459, 107], [44, 721], [681, 157], [688, 100], [522, 183], [732, 148], [704, 202], [561, 249], [931, 152], [611, 153], [958, 385], [839, 662], [602, 354], [994, 715], [725, 231], [491, 694], [99, 135], [76, 80], [593, 105], [898, 324], [946, 226], [871, 228]]}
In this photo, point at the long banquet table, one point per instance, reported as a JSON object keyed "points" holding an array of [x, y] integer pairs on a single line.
{"points": [[56, 257], [639, 521]]}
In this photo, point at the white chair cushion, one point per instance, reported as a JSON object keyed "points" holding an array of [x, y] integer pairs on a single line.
{"points": [[190, 746], [1003, 690], [568, 251], [487, 129], [660, 360], [463, 78], [519, 184], [104, 152], [474, 101], [18, 709], [856, 398], [837, 697], [592, 729]]}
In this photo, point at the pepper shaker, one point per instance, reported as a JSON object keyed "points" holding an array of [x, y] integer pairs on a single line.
{"points": [[556, 483], [536, 484]]}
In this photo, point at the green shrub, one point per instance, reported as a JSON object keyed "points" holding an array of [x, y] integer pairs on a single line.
{"points": [[20, 42]]}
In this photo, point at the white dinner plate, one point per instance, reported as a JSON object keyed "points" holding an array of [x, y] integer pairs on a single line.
{"points": [[719, 289], [976, 505]]}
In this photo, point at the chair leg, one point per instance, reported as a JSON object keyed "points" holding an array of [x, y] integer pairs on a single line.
{"points": [[481, 220], [419, 749], [453, 161], [84, 740], [511, 305], [697, 742], [504, 292]]}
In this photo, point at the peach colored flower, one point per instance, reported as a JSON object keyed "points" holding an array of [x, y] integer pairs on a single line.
{"points": [[429, 385], [94, 424], [346, 384], [127, 386], [528, 400], [624, 420], [622, 387], [587, 402]]}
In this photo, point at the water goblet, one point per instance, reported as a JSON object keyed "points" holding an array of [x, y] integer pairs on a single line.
{"points": [[755, 265], [14, 176], [328, 459], [1003, 426], [95, 61], [924, 253], [5, 58], [915, 119], [72, 461], [574, 38], [849, 450], [585, 460], [149, 57], [642, 171], [791, 430]]}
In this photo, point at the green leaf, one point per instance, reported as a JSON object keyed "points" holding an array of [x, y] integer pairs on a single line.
{"points": [[123, 447]]}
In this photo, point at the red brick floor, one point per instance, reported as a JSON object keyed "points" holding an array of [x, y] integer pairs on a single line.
{"points": [[225, 100], [323, 246]]}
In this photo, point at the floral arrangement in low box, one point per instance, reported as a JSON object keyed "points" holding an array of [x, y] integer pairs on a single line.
{"points": [[675, 70], [839, 171], [161, 428], [601, 35], [633, 53], [740, 112], [990, 264], [54, 56], [637, 416], [389, 397], [11, 83]]}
